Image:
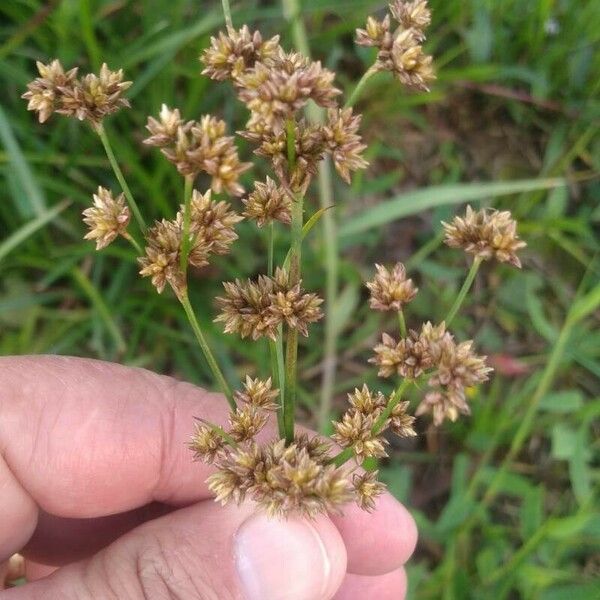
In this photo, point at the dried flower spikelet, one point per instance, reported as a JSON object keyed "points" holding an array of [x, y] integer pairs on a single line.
{"points": [[407, 61], [355, 431], [107, 218], [366, 402], [267, 203], [206, 443], [276, 92], [390, 289], [442, 406], [212, 225], [258, 393], [43, 93], [94, 97], [343, 142], [485, 234], [257, 308], [374, 32], [367, 488], [232, 53], [161, 261], [411, 15], [246, 423], [402, 423], [458, 367], [165, 129], [409, 357]]}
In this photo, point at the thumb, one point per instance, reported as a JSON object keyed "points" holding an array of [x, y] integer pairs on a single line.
{"points": [[207, 552]]}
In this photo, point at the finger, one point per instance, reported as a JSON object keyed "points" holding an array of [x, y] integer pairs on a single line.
{"points": [[206, 551], [391, 586], [35, 571], [380, 541]]}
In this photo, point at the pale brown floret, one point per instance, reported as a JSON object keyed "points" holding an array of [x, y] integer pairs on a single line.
{"points": [[94, 97], [443, 405], [407, 62], [267, 203], [367, 489], [246, 422], [366, 402], [390, 289], [342, 141], [486, 234], [400, 422], [411, 15], [107, 219], [355, 430], [206, 443], [281, 479], [165, 129], [408, 357], [257, 308], [43, 93], [258, 393], [235, 51], [374, 32]]}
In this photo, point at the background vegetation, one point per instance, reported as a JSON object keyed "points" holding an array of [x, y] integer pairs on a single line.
{"points": [[507, 500]]}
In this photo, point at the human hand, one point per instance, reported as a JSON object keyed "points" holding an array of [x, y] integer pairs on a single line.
{"points": [[98, 491]]}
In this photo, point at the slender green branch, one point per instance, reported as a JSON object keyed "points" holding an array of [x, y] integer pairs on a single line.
{"points": [[99, 129], [186, 242], [360, 86], [133, 242], [270, 247], [227, 13], [210, 359], [220, 431], [402, 323], [464, 290]]}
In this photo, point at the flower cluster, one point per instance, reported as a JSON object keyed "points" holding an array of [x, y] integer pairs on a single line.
{"points": [[107, 218], [90, 98], [390, 289], [486, 234], [400, 47], [195, 147]]}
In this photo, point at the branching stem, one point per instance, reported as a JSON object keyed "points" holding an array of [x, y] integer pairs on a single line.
{"points": [[464, 290]]}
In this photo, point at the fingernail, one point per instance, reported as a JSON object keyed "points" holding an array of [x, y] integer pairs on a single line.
{"points": [[293, 559]]}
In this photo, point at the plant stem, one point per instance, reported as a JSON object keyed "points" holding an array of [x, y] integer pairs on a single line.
{"points": [[464, 290], [291, 360], [210, 359], [186, 242], [346, 454], [99, 129], [357, 91], [270, 249], [227, 13], [402, 323], [133, 242]]}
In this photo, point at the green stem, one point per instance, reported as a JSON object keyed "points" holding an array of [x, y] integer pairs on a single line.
{"points": [[99, 129], [186, 242], [464, 290], [402, 323], [221, 432], [346, 454], [270, 247], [227, 13], [210, 359], [357, 91], [133, 242]]}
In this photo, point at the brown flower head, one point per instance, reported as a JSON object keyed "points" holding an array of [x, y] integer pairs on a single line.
{"points": [[390, 289], [486, 234], [232, 53], [267, 203], [443, 405], [246, 422], [94, 97], [43, 94], [257, 308], [165, 130], [413, 15], [367, 488], [374, 33], [409, 357], [401, 423], [407, 61], [366, 402], [107, 219], [206, 443], [355, 431], [343, 142], [258, 393]]}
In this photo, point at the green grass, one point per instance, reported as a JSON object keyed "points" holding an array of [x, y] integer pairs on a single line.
{"points": [[506, 500]]}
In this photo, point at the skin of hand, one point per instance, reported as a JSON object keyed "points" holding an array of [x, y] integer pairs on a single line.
{"points": [[99, 492]]}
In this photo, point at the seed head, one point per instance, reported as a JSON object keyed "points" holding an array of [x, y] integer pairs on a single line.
{"points": [[343, 141], [366, 402], [413, 15], [232, 53], [43, 94], [486, 234], [401, 423], [107, 219], [367, 489], [374, 32], [258, 393], [206, 443], [407, 62], [267, 203], [164, 130], [355, 431], [390, 289], [443, 405], [409, 357], [246, 422]]}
